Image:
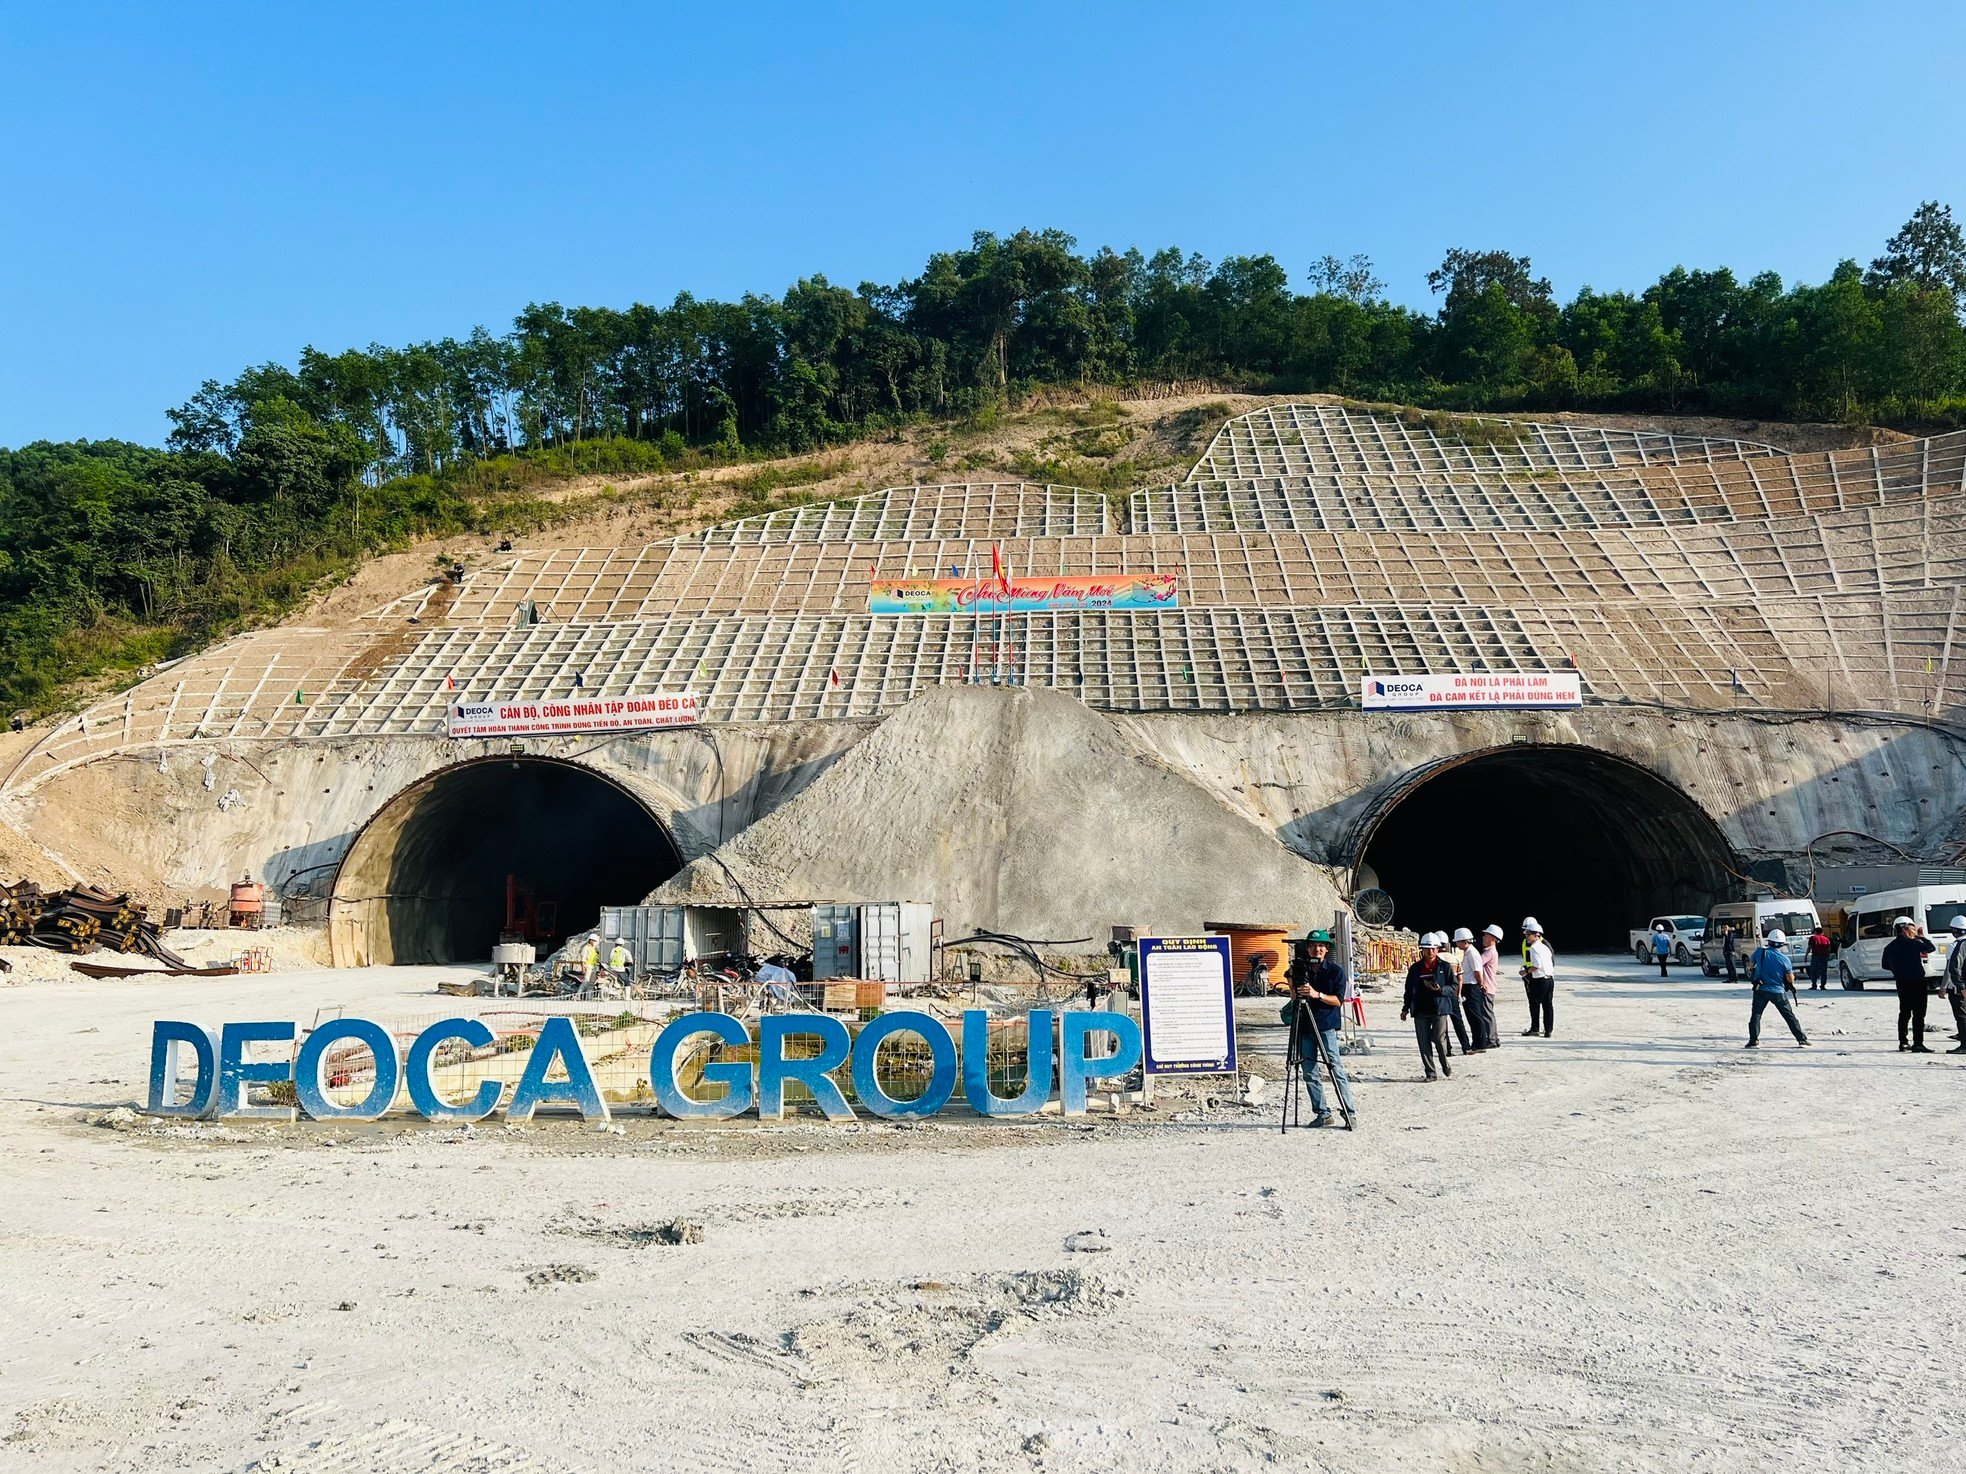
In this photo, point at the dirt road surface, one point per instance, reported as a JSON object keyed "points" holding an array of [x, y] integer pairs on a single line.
{"points": [[1632, 1247]]}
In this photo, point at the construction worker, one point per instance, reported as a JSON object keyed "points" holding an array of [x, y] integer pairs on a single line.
{"points": [[621, 962], [1451, 955], [1467, 971], [1318, 984], [1774, 981], [1955, 983], [1430, 989], [1820, 947], [1730, 952], [1904, 958], [1488, 972], [1538, 979], [590, 959], [1661, 948], [1477, 987]]}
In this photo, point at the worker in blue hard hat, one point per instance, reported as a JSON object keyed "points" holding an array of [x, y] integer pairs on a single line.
{"points": [[1317, 988]]}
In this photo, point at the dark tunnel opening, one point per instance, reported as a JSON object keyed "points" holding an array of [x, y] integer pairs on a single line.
{"points": [[425, 880], [1589, 844]]}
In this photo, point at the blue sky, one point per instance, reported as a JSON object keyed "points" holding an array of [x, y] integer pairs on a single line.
{"points": [[186, 190]]}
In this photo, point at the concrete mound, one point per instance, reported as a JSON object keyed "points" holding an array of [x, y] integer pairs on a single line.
{"points": [[1017, 810]]}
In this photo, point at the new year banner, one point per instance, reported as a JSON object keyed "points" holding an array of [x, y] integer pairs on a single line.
{"points": [[1021, 595]]}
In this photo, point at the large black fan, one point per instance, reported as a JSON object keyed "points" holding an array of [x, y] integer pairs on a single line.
{"points": [[1373, 907]]}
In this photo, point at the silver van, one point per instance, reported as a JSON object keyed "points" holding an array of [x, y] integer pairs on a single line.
{"points": [[1753, 920]]}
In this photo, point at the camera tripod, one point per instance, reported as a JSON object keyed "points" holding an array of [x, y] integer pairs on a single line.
{"points": [[1293, 1070]]}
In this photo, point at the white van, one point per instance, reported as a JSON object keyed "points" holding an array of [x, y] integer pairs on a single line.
{"points": [[1867, 927], [1753, 920]]}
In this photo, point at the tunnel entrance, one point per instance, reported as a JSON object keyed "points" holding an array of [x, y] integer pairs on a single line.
{"points": [[1590, 844], [426, 879]]}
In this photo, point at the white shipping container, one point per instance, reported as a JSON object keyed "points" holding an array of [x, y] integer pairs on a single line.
{"points": [[896, 941]]}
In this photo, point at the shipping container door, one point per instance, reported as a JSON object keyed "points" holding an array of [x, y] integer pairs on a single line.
{"points": [[880, 942]]}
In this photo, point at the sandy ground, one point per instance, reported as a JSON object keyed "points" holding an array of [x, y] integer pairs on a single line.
{"points": [[1632, 1247]]}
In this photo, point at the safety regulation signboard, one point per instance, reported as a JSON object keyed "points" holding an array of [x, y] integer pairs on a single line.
{"points": [[1504, 688], [558, 716], [1187, 1006]]}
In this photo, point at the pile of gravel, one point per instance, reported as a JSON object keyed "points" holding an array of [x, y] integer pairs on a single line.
{"points": [[1019, 810]]}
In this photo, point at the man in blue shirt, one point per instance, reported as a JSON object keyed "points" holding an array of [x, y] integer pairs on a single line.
{"points": [[1318, 985], [1773, 975]]}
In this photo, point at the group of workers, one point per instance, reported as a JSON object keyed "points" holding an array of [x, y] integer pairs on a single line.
{"points": [[1454, 980], [1452, 984], [620, 963], [1904, 958]]}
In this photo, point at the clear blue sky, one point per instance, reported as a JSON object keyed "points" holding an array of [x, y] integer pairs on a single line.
{"points": [[188, 189]]}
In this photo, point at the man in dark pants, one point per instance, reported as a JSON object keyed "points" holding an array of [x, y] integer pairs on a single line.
{"points": [[1955, 984], [1429, 999], [1774, 980], [1318, 984], [1451, 955], [1730, 951], [1538, 978], [1904, 958], [1473, 1003], [1820, 946]]}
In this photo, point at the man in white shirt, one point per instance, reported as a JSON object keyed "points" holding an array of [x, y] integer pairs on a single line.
{"points": [[1539, 979], [1480, 1022]]}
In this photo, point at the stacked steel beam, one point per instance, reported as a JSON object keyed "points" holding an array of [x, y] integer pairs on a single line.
{"points": [[79, 919]]}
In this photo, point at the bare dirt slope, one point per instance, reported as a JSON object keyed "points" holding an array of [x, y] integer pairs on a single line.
{"points": [[1630, 1248], [1016, 810]]}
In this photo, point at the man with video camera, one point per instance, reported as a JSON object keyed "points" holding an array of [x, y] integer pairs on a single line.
{"points": [[1315, 1011]]}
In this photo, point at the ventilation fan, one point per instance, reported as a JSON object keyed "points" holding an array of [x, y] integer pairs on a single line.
{"points": [[1373, 907]]}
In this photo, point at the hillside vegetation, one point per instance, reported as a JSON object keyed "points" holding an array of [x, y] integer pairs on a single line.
{"points": [[115, 555]]}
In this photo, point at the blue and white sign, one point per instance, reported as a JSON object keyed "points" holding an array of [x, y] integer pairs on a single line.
{"points": [[1187, 1005], [201, 1072]]}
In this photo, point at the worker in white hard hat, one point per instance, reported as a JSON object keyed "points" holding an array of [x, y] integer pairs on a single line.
{"points": [[1904, 958], [1774, 980], [621, 962], [1471, 1000], [590, 959], [1538, 979], [1450, 952], [1489, 973], [1430, 986], [1955, 983], [1661, 948]]}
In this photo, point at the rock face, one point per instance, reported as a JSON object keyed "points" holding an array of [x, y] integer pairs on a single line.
{"points": [[1018, 810]]}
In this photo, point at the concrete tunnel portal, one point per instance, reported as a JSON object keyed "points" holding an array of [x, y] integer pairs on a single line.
{"points": [[425, 880], [1589, 843]]}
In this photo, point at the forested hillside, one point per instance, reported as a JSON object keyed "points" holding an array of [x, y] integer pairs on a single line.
{"points": [[112, 555]]}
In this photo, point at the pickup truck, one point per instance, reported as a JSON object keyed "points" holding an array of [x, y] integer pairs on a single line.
{"points": [[1684, 932]]}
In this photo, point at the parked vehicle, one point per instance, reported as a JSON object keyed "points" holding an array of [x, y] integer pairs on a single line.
{"points": [[1753, 920], [1867, 927], [1684, 932]]}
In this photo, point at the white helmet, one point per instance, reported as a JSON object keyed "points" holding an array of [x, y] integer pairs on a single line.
{"points": [[1775, 935], [1658, 926], [1903, 921], [1462, 934], [1492, 930], [1958, 923], [1430, 939], [1530, 923]]}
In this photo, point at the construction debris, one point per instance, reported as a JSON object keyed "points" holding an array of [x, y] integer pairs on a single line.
{"points": [[80, 919]]}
